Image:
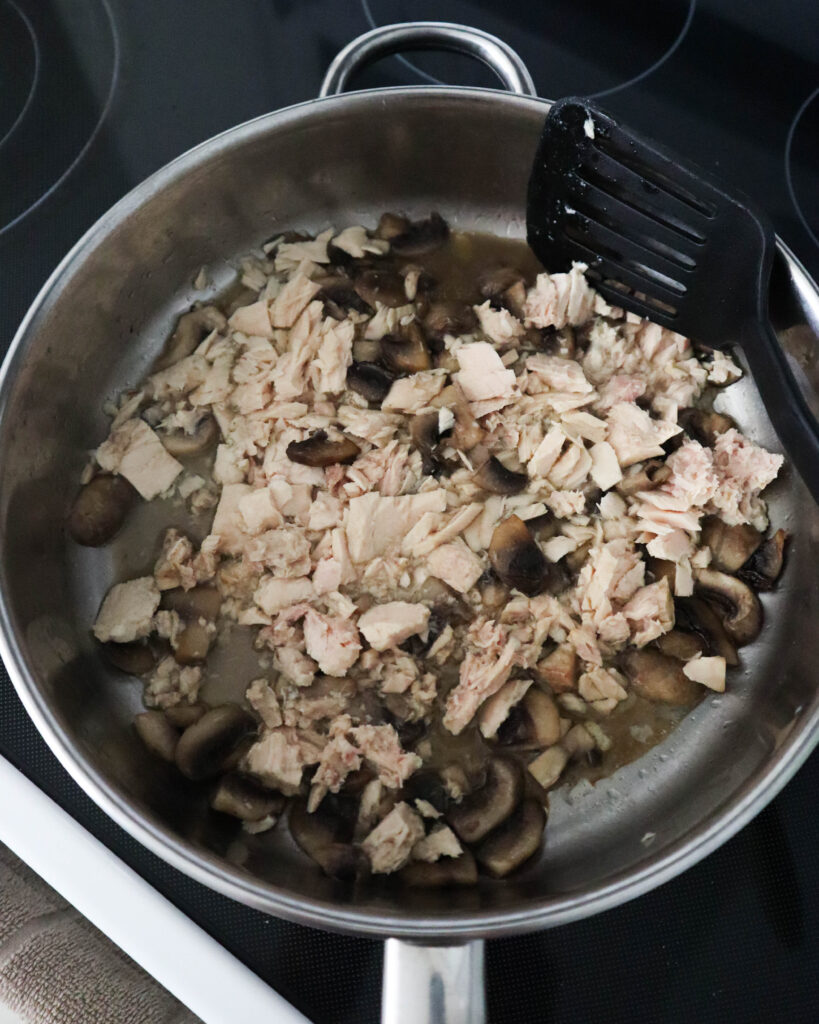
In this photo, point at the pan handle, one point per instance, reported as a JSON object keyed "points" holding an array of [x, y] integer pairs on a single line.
{"points": [[429, 35], [433, 984]]}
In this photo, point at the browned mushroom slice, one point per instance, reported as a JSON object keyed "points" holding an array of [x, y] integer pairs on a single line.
{"points": [[441, 873], [735, 599], [391, 225], [157, 733], [448, 317], [764, 567], [698, 616], [492, 284], [191, 329], [99, 510], [339, 297], [407, 353], [731, 546], [559, 670], [136, 658], [205, 745], [186, 446], [680, 644], [192, 644], [421, 236], [656, 677], [183, 715], [426, 438], [370, 381], [643, 477], [237, 296], [514, 842], [428, 785], [203, 602], [487, 807], [319, 450], [662, 569], [547, 767], [703, 425], [322, 836], [534, 723], [517, 559], [494, 594], [384, 286], [245, 798], [495, 477]]}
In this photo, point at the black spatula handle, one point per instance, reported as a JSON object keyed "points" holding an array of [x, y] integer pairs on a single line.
{"points": [[789, 412]]}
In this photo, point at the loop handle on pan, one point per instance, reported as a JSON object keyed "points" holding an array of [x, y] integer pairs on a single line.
{"points": [[429, 35]]}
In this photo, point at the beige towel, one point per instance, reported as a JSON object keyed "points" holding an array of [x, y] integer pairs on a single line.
{"points": [[57, 968]]}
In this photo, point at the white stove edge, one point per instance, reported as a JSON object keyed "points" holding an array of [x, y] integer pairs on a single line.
{"points": [[209, 980]]}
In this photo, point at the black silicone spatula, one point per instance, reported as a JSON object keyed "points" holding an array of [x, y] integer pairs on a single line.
{"points": [[665, 240]]}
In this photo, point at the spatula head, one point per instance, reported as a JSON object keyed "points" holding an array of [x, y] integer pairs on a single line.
{"points": [[660, 237]]}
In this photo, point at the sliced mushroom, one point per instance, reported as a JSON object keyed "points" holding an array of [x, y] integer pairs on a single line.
{"points": [[426, 438], [643, 477], [339, 297], [384, 286], [421, 236], [467, 432], [428, 785], [481, 811], [203, 602], [157, 733], [705, 425], [494, 283], [100, 509], [205, 745], [191, 329], [698, 616], [370, 381], [449, 317], [136, 658], [323, 836], [731, 546], [494, 594], [547, 768], [764, 567], [192, 644], [392, 225], [662, 569], [319, 450], [493, 476], [578, 742], [517, 559], [559, 670], [441, 873], [366, 350], [183, 715], [242, 797], [514, 842], [407, 353], [186, 446], [657, 677], [679, 644], [740, 605], [534, 723]]}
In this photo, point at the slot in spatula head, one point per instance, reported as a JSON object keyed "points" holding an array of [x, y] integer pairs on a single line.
{"points": [[660, 237]]}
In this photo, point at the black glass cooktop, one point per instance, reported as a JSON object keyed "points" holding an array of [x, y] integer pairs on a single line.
{"points": [[96, 94]]}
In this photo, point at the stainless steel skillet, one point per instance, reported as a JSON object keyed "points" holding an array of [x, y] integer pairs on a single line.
{"points": [[95, 328]]}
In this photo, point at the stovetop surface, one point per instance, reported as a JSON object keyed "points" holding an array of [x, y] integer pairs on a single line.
{"points": [[97, 94]]}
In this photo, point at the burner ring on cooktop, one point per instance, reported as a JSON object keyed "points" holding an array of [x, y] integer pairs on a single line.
{"points": [[809, 107], [580, 31], [62, 65]]}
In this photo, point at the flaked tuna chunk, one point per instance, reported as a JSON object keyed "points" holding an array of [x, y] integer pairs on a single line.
{"points": [[174, 567], [744, 469], [388, 625], [495, 710], [292, 300], [179, 379], [441, 842], [381, 748], [409, 394], [135, 452], [708, 671], [338, 759], [498, 324], [602, 688], [230, 466], [635, 436], [333, 643], [253, 320], [547, 453], [369, 424], [482, 375], [328, 372], [295, 665], [605, 468], [292, 256], [556, 300], [325, 512], [481, 675], [290, 379], [127, 611], [559, 374], [389, 845], [693, 479], [566, 504], [572, 468], [217, 384], [285, 551], [258, 511], [620, 388], [228, 523], [265, 703], [650, 612], [274, 595], [456, 565], [171, 684], [376, 523], [443, 531], [280, 756], [355, 241]]}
